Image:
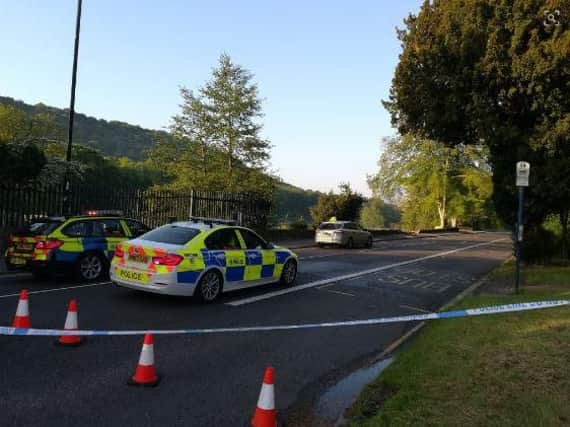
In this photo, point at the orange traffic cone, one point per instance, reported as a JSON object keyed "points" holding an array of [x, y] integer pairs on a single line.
{"points": [[145, 374], [265, 414], [71, 323], [22, 317]]}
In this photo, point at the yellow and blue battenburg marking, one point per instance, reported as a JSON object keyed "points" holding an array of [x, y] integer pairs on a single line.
{"points": [[236, 265]]}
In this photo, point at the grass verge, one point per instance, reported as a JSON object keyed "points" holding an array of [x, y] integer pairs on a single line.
{"points": [[503, 370]]}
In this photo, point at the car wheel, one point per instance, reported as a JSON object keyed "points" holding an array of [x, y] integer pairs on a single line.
{"points": [[91, 267], [209, 287], [350, 243], [321, 245], [289, 273], [369, 242]]}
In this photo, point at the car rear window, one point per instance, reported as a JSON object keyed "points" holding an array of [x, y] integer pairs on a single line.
{"points": [[330, 226], [38, 228], [171, 234]]}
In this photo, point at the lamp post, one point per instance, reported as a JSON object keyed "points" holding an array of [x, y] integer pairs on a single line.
{"points": [[523, 173], [66, 200]]}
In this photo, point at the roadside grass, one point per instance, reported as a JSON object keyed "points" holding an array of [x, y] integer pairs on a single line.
{"points": [[495, 370]]}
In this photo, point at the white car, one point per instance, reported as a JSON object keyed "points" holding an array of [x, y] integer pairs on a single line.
{"points": [[342, 233]]}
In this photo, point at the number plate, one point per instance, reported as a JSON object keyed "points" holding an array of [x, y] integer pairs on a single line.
{"points": [[135, 276], [24, 246], [17, 261], [138, 258]]}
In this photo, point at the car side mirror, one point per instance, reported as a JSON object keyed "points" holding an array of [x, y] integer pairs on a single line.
{"points": [[270, 245]]}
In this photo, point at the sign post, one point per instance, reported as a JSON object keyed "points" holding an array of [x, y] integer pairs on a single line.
{"points": [[523, 173]]}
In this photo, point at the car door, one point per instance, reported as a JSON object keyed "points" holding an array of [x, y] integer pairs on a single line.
{"points": [[260, 261], [225, 251], [361, 236], [106, 234]]}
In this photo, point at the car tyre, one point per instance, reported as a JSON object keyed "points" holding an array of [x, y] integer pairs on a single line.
{"points": [[209, 287], [369, 242], [289, 273], [91, 267], [350, 243]]}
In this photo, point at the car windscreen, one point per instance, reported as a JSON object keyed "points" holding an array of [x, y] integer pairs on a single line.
{"points": [[38, 228], [330, 226], [171, 234]]}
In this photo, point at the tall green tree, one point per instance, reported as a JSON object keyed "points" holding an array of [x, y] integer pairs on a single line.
{"points": [[218, 143], [434, 185], [371, 214], [474, 71]]}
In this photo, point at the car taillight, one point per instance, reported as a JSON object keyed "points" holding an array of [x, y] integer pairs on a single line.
{"points": [[168, 259], [49, 244], [119, 251]]}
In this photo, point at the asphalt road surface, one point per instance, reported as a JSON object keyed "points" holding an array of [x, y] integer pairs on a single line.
{"points": [[214, 380]]}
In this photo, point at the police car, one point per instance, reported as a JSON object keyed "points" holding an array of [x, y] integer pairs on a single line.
{"points": [[82, 244], [202, 258]]}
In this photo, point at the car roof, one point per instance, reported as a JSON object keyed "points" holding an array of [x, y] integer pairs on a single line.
{"points": [[336, 222], [198, 225]]}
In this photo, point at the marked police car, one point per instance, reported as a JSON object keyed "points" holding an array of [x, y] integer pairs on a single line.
{"points": [[201, 257], [81, 244]]}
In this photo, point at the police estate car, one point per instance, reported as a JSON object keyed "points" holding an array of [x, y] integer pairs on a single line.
{"points": [[201, 258], [82, 244]]}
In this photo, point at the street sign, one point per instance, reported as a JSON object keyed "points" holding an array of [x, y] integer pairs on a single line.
{"points": [[523, 172]]}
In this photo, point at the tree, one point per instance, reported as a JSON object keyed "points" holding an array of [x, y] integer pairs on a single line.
{"points": [[218, 146], [371, 214], [435, 185], [475, 72], [325, 208], [343, 206]]}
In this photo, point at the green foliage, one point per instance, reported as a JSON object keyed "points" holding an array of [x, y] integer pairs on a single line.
{"points": [[475, 72], [371, 214], [435, 185], [299, 225], [291, 203], [217, 142], [343, 206], [20, 162], [111, 138], [540, 246]]}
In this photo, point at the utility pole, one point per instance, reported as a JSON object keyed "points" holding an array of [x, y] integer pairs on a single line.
{"points": [[523, 173], [66, 200]]}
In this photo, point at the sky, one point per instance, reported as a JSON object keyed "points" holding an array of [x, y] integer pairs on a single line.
{"points": [[322, 68]]}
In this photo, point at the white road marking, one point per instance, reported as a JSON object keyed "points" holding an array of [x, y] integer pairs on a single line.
{"points": [[43, 291], [337, 292], [269, 295]]}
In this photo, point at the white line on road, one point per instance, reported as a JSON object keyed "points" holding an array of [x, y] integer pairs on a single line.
{"points": [[298, 288], [338, 292], [411, 307], [43, 291]]}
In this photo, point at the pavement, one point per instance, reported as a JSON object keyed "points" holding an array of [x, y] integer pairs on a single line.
{"points": [[214, 380]]}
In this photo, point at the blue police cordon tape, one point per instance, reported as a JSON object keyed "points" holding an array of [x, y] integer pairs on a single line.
{"points": [[507, 308]]}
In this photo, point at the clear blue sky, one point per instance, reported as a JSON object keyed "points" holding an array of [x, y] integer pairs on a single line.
{"points": [[321, 66]]}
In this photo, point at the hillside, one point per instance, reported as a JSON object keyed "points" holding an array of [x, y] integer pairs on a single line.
{"points": [[293, 203], [119, 139], [111, 138]]}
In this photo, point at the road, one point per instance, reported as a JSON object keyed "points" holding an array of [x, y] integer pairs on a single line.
{"points": [[214, 380]]}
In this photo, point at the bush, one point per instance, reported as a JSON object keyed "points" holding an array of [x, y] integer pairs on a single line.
{"points": [[539, 246], [299, 224]]}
